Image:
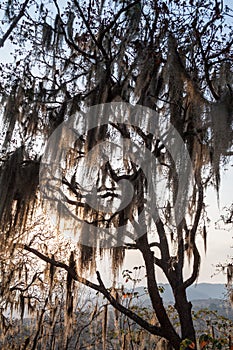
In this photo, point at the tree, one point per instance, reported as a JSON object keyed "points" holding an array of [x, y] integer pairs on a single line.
{"points": [[225, 223], [172, 58]]}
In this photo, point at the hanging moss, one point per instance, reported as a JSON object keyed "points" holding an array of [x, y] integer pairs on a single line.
{"points": [[117, 255], [47, 36], [87, 259], [221, 123], [19, 179]]}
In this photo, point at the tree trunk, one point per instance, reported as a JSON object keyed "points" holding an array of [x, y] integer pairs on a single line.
{"points": [[184, 309]]}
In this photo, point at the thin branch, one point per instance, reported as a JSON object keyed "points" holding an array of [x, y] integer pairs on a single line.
{"points": [[111, 24], [164, 247], [97, 42], [26, 288], [206, 66], [130, 246], [196, 266], [224, 50], [198, 210], [228, 153], [14, 23]]}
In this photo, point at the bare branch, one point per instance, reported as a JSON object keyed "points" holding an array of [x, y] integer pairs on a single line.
{"points": [[102, 289], [14, 23], [196, 266]]}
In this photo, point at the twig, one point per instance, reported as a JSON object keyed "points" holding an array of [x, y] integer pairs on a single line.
{"points": [[14, 23]]}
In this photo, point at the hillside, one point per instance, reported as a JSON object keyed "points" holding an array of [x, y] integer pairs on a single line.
{"points": [[198, 292], [203, 295]]}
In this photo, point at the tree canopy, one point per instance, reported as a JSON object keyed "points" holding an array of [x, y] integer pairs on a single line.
{"points": [[73, 65]]}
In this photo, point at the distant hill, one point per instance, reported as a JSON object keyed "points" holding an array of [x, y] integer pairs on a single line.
{"points": [[203, 292], [203, 295], [198, 292]]}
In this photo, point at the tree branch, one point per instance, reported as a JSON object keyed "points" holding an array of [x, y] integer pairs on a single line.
{"points": [[14, 23], [26, 288], [198, 210], [224, 50], [102, 289], [206, 65], [153, 291], [97, 42], [196, 266]]}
